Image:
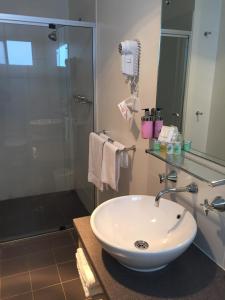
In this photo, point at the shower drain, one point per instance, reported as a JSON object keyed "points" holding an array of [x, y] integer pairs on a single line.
{"points": [[141, 245]]}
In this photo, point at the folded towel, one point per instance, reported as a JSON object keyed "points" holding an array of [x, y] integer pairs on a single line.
{"points": [[124, 158], [111, 165], [96, 144], [88, 273], [88, 278], [90, 292]]}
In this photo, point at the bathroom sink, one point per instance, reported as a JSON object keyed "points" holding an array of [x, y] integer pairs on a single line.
{"points": [[139, 235]]}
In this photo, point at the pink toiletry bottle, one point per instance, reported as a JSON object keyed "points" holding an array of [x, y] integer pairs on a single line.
{"points": [[147, 125], [158, 123]]}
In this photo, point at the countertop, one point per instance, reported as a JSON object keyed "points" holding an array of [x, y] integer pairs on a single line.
{"points": [[193, 276]]}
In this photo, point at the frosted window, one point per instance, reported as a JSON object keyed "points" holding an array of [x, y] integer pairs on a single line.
{"points": [[62, 55], [2, 53], [19, 53]]}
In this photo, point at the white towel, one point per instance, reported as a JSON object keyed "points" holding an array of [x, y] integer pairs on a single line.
{"points": [[90, 292], [111, 165], [96, 144], [124, 158], [88, 273], [88, 278]]}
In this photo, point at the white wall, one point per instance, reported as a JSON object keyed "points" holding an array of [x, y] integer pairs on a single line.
{"points": [[62, 9], [115, 22], [84, 9], [202, 71], [216, 143], [40, 8]]}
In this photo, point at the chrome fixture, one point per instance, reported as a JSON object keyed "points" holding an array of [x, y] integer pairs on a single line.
{"points": [[82, 99], [191, 188], [199, 113], [126, 149], [218, 204], [175, 114], [53, 36], [172, 176], [219, 182], [207, 33]]}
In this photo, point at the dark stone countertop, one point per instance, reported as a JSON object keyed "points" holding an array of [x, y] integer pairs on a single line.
{"points": [[192, 276]]}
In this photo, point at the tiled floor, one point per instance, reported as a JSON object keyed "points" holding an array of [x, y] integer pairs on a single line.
{"points": [[40, 268]]}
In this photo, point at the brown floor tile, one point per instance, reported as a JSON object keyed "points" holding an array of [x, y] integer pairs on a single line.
{"points": [[15, 285], [63, 254], [68, 271], [53, 292], [44, 277], [13, 266], [41, 259], [74, 290], [39, 244], [22, 297], [61, 239], [13, 250]]}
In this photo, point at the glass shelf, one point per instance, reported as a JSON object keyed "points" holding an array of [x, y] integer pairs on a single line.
{"points": [[191, 165]]}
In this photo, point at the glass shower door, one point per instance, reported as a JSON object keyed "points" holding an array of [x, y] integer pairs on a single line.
{"points": [[39, 127], [80, 89]]}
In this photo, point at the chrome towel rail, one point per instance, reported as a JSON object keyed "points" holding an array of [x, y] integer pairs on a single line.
{"points": [[132, 148]]}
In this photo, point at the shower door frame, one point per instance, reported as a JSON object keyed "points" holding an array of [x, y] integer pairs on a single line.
{"points": [[39, 21]]}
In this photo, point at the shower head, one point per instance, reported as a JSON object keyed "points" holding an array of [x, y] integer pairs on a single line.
{"points": [[53, 36]]}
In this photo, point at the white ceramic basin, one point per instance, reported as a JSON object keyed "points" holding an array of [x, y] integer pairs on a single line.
{"points": [[166, 231]]}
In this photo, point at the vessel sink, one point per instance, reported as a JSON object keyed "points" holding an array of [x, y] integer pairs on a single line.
{"points": [[139, 235]]}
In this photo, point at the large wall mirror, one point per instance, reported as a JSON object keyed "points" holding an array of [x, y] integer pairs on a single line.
{"points": [[191, 79]]}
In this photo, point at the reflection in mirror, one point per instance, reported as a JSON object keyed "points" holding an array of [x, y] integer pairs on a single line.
{"points": [[191, 89]]}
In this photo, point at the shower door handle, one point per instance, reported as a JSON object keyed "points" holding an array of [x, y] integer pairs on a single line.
{"points": [[81, 99]]}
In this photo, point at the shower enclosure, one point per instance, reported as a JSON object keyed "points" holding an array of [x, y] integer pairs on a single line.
{"points": [[46, 115]]}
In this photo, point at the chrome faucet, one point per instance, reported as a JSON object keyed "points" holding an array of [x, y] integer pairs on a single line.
{"points": [[191, 188]]}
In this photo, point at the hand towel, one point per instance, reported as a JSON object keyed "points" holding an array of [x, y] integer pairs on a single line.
{"points": [[124, 158], [111, 165], [96, 144]]}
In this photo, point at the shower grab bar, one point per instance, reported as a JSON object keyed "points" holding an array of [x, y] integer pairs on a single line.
{"points": [[81, 99], [132, 148]]}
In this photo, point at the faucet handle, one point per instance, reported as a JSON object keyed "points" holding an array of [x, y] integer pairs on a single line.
{"points": [[218, 204], [172, 176], [206, 207], [192, 188], [162, 178]]}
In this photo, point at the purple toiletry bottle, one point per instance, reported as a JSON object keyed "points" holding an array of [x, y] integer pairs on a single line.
{"points": [[147, 125], [158, 123]]}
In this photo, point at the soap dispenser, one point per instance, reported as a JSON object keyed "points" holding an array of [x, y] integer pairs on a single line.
{"points": [[147, 125], [158, 123]]}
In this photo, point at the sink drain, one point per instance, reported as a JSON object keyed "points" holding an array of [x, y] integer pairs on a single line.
{"points": [[141, 245]]}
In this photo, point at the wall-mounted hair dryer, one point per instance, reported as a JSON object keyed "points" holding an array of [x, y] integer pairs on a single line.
{"points": [[130, 51]]}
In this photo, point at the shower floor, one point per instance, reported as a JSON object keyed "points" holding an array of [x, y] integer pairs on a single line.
{"points": [[29, 216]]}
